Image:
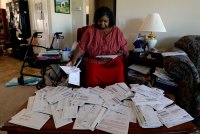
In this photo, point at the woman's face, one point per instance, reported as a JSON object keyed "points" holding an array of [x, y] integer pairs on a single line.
{"points": [[103, 22]]}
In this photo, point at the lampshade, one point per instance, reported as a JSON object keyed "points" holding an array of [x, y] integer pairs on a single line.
{"points": [[153, 23]]}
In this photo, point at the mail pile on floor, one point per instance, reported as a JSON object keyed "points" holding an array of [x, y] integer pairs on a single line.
{"points": [[108, 109]]}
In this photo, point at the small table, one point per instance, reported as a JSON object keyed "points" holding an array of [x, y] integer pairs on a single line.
{"points": [[134, 128], [147, 59], [151, 60]]}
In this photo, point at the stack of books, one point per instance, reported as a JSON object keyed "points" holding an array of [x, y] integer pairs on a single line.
{"points": [[51, 54], [138, 74], [135, 77], [173, 52], [164, 80]]}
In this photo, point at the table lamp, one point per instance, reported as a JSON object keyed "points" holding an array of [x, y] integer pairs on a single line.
{"points": [[152, 23]]}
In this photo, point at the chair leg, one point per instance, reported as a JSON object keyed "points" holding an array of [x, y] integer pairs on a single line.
{"points": [[2, 49]]}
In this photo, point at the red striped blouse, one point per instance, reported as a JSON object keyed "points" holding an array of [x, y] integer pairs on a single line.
{"points": [[94, 42]]}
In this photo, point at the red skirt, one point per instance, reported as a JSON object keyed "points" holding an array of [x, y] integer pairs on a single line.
{"points": [[104, 74]]}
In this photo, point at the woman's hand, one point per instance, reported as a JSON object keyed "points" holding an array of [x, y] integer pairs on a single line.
{"points": [[120, 54], [71, 63]]}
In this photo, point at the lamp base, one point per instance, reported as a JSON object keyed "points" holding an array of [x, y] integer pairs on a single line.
{"points": [[152, 43]]}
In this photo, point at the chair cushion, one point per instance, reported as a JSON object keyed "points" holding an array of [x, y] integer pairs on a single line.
{"points": [[80, 32]]}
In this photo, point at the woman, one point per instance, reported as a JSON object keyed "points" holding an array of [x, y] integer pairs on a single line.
{"points": [[101, 38]]}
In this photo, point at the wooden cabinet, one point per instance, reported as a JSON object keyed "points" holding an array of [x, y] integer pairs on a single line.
{"points": [[4, 32]]}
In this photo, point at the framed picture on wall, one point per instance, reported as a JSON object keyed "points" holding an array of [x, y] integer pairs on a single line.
{"points": [[62, 6]]}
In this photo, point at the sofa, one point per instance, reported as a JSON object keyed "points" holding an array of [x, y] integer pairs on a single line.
{"points": [[185, 69]]}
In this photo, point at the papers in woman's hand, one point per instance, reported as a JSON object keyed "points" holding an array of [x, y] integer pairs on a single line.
{"points": [[70, 70], [74, 74], [106, 56]]}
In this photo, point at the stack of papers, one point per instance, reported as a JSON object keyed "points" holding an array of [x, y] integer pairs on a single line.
{"points": [[173, 53], [51, 54], [146, 102], [109, 109], [147, 117], [139, 68], [174, 115], [163, 77], [114, 123]]}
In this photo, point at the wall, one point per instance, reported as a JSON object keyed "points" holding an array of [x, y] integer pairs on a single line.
{"points": [[91, 11], [78, 9], [180, 17], [61, 23]]}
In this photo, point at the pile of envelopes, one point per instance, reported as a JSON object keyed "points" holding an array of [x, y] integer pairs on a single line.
{"points": [[109, 109]]}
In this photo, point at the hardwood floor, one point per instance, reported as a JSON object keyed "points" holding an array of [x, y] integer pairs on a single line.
{"points": [[11, 98]]}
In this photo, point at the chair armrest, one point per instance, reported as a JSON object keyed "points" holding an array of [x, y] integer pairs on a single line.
{"points": [[182, 69], [176, 65]]}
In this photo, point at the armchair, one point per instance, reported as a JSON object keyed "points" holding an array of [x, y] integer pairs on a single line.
{"points": [[185, 70]]}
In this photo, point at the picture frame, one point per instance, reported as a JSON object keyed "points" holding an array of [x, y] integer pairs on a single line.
{"points": [[62, 6]]}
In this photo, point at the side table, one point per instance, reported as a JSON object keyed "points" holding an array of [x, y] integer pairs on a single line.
{"points": [[151, 60], [147, 59]]}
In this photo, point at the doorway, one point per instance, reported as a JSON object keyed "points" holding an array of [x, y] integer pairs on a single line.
{"points": [[108, 3], [92, 5]]}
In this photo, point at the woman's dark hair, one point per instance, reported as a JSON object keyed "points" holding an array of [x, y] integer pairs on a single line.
{"points": [[102, 11]]}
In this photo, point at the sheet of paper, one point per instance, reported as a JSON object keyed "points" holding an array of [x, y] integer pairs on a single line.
{"points": [[110, 99], [124, 90], [65, 92], [174, 115], [81, 114], [114, 94], [69, 70], [60, 104], [147, 117], [58, 121], [69, 110], [32, 120], [132, 114], [164, 54], [147, 91], [30, 103], [122, 109], [115, 123], [182, 120], [48, 90], [93, 117], [40, 104], [87, 98], [74, 78], [96, 90], [159, 72], [164, 102], [139, 99]]}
